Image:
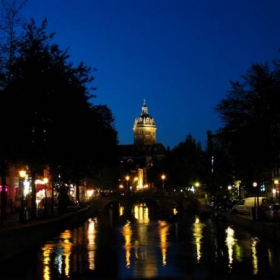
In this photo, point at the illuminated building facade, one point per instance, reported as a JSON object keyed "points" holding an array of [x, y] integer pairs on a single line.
{"points": [[144, 157], [144, 128]]}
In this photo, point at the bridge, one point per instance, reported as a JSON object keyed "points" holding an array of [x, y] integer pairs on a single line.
{"points": [[161, 202]]}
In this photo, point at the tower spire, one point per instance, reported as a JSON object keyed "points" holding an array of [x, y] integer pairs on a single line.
{"points": [[144, 127]]}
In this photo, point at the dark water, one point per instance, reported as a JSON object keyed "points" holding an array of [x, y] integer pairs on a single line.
{"points": [[143, 246]]}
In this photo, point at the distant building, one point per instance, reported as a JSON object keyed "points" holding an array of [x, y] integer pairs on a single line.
{"points": [[143, 156], [144, 128]]}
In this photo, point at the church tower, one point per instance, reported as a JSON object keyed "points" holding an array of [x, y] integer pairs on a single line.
{"points": [[144, 128]]}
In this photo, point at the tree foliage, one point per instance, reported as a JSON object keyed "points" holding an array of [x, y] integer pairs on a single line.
{"points": [[250, 113], [10, 20], [47, 111], [186, 163]]}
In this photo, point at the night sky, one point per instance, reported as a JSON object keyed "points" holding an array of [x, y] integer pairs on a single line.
{"points": [[179, 55]]}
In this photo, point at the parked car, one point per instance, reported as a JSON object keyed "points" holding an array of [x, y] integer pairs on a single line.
{"points": [[244, 206], [273, 212]]}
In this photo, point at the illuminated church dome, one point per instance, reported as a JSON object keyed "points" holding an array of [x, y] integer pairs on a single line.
{"points": [[144, 128]]}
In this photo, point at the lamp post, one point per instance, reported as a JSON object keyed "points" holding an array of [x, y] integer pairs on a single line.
{"points": [[255, 185], [229, 191], [46, 180], [127, 179], [276, 183], [163, 178], [22, 174], [52, 208]]}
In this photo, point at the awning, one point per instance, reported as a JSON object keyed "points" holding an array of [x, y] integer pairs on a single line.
{"points": [[40, 187]]}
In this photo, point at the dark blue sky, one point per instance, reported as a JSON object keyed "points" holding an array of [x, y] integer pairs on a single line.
{"points": [[179, 55]]}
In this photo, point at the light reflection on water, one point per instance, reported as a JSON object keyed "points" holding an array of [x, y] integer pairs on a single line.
{"points": [[136, 246], [198, 234]]}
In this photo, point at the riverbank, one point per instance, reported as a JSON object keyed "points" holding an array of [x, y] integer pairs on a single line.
{"points": [[268, 229]]}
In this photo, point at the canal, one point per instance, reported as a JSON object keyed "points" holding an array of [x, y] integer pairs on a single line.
{"points": [[143, 245]]}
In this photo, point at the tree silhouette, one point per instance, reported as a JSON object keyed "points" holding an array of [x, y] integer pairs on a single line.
{"points": [[251, 122], [186, 163], [47, 111]]}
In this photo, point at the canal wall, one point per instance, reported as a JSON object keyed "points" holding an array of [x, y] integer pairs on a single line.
{"points": [[22, 236], [267, 229], [261, 227]]}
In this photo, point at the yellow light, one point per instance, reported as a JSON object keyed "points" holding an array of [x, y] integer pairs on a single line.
{"points": [[22, 173], [89, 193], [127, 179]]}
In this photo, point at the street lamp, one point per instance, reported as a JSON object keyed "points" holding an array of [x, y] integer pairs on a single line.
{"points": [[46, 180], [22, 174], [255, 185], [276, 183], [127, 179], [163, 178], [197, 187], [229, 190]]}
